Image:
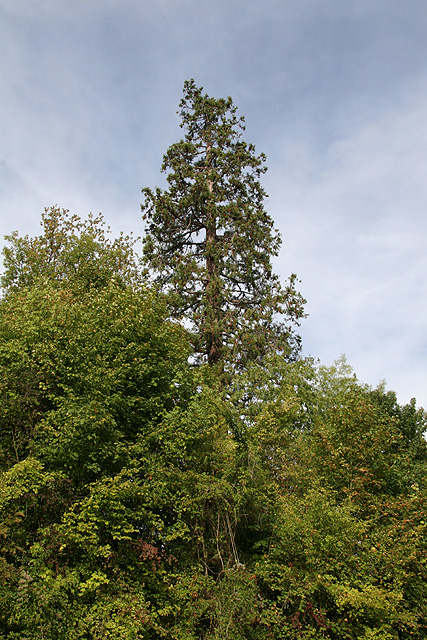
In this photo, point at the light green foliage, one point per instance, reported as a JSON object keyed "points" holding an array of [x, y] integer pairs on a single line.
{"points": [[83, 376], [360, 441], [71, 252], [87, 374], [343, 558]]}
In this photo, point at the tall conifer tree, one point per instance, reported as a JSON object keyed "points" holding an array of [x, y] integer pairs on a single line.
{"points": [[209, 240]]}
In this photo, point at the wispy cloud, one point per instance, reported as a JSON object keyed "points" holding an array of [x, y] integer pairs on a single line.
{"points": [[334, 92], [356, 229]]}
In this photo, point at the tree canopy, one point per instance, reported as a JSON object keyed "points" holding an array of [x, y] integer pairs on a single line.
{"points": [[137, 502], [141, 498], [209, 240], [71, 252]]}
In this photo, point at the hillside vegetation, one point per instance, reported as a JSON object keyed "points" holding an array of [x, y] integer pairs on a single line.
{"points": [[170, 466]]}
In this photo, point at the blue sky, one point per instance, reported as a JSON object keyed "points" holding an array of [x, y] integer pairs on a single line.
{"points": [[334, 92]]}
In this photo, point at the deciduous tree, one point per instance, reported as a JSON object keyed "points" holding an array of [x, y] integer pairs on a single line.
{"points": [[71, 252]]}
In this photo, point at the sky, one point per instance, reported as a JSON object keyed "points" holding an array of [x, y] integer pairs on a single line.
{"points": [[334, 92]]}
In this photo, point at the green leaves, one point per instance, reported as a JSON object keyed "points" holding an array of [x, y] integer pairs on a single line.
{"points": [[209, 241], [71, 252], [262, 498], [82, 376]]}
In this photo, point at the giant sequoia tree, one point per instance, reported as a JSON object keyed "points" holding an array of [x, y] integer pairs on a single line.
{"points": [[209, 240]]}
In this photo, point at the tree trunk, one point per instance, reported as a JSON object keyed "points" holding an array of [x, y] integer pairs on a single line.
{"points": [[212, 311]]}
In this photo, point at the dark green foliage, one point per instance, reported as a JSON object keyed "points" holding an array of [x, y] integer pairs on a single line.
{"points": [[209, 240]]}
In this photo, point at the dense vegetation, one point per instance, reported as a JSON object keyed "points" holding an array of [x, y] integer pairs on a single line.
{"points": [[145, 497]]}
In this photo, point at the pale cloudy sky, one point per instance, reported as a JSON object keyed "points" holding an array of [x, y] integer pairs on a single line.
{"points": [[334, 92]]}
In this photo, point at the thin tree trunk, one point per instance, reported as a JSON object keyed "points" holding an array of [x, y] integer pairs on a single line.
{"points": [[212, 312]]}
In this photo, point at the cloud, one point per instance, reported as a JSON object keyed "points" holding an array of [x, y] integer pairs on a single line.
{"points": [[334, 92], [354, 226]]}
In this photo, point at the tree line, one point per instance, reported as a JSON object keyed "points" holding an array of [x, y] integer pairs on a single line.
{"points": [[170, 465]]}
